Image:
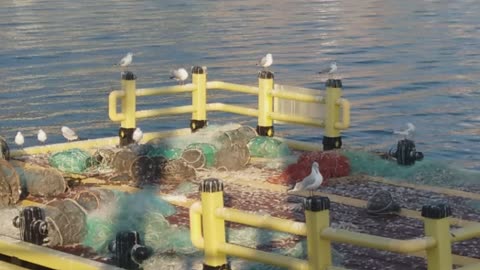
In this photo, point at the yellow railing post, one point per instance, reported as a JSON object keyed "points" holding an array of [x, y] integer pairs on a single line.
{"points": [[199, 98], [129, 102], [331, 137], [213, 227], [265, 103], [317, 218], [437, 225]]}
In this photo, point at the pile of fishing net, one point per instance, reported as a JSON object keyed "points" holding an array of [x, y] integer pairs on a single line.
{"points": [[428, 172], [17, 177], [72, 160], [211, 147], [143, 212], [332, 164]]}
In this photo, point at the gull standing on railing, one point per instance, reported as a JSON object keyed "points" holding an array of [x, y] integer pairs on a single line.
{"points": [[126, 60], [42, 136], [137, 135], [19, 139], [329, 70], [179, 75], [266, 61], [69, 134], [407, 132], [311, 182]]}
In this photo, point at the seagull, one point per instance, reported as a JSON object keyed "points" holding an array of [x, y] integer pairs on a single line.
{"points": [[19, 139], [42, 136], [69, 134], [311, 182], [407, 132], [137, 135], [179, 75], [126, 60], [266, 61], [330, 70]]}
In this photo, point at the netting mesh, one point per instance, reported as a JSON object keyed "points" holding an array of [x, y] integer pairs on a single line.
{"points": [[73, 160], [166, 151], [332, 164], [245, 236], [143, 211], [4, 149], [268, 147], [9, 184], [40, 181], [427, 172]]}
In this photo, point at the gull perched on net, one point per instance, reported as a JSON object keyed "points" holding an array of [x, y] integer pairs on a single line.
{"points": [[41, 136], [311, 182], [19, 139], [266, 61], [69, 134], [406, 132], [179, 75]]}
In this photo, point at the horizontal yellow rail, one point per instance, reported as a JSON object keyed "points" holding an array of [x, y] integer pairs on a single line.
{"points": [[298, 96], [263, 257], [262, 221], [8, 266], [165, 90], [232, 109], [164, 111], [48, 257], [470, 267], [465, 233], [218, 85], [378, 242], [297, 119], [94, 143]]}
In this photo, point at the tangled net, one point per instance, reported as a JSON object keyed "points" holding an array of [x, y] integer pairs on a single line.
{"points": [[332, 164]]}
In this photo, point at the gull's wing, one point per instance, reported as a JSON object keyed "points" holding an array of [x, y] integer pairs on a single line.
{"points": [[68, 132]]}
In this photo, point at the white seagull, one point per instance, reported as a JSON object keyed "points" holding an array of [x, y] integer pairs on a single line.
{"points": [[330, 70], [137, 135], [311, 182], [19, 139], [266, 61], [42, 136], [69, 134], [179, 75], [407, 132], [126, 60]]}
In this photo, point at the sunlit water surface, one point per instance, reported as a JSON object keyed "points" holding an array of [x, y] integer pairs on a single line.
{"points": [[400, 61]]}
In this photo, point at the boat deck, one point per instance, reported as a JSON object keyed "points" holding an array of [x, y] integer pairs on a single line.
{"points": [[249, 190]]}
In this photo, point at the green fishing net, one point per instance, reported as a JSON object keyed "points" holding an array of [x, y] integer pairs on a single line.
{"points": [[166, 151], [428, 172], [73, 160], [142, 211], [267, 147], [246, 236]]}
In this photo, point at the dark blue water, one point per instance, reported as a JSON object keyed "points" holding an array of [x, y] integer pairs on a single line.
{"points": [[401, 61]]}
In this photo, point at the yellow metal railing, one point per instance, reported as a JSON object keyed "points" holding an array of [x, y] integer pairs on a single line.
{"points": [[207, 232], [46, 257], [336, 106]]}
